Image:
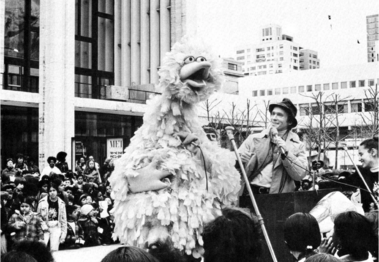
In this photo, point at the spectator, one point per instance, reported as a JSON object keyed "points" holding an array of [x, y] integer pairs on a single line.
{"points": [[53, 212], [18, 193], [75, 233], [234, 236], [302, 235], [9, 173], [51, 168], [33, 168], [90, 223], [80, 183], [35, 249], [354, 235], [43, 187], [97, 166], [20, 164], [25, 224], [16, 256], [129, 254], [322, 258], [81, 166], [83, 199], [61, 162], [106, 170], [61, 193], [91, 173]]}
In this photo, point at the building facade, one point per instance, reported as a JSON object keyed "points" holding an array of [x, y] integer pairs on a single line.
{"points": [[76, 74], [372, 23], [233, 71], [276, 53], [309, 59]]}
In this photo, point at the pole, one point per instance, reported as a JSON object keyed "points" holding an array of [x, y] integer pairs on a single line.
{"points": [[359, 173], [229, 132]]}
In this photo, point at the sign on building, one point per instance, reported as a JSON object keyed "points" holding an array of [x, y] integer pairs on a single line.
{"points": [[115, 147]]}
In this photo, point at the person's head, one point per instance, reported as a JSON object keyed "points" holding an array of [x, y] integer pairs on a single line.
{"points": [[322, 258], [51, 161], [83, 199], [91, 164], [368, 153], [61, 156], [129, 254], [36, 249], [43, 185], [10, 163], [53, 191], [80, 179], [100, 196], [90, 158], [26, 205], [20, 182], [353, 232], [82, 160], [17, 256], [87, 209], [107, 161], [58, 183], [302, 233], [108, 190], [20, 158], [283, 115], [8, 188], [89, 199], [233, 236]]}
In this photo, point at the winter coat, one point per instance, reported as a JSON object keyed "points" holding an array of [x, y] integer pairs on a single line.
{"points": [[43, 210], [31, 231]]}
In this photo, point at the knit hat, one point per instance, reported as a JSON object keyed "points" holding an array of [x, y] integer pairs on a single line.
{"points": [[82, 196], [287, 106], [86, 209]]}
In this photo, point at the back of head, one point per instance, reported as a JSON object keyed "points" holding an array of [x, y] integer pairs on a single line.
{"points": [[322, 258], [302, 232], [354, 233], [36, 249], [129, 254], [17, 256], [234, 236]]}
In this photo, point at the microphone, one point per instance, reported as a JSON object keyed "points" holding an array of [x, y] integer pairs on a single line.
{"points": [[274, 133]]}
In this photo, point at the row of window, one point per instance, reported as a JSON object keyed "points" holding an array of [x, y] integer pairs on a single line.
{"points": [[311, 88], [356, 106], [262, 49]]}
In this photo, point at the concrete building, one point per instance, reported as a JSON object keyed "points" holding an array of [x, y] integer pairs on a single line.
{"points": [[372, 23], [276, 53], [76, 74], [233, 71], [309, 59]]}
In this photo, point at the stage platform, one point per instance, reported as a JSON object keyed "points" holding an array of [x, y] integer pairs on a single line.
{"points": [[93, 254]]}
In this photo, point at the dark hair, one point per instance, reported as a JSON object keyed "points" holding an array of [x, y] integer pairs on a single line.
{"points": [[354, 233], [19, 180], [234, 236], [302, 232], [36, 249], [17, 256], [322, 258], [129, 254], [165, 251], [371, 143]]}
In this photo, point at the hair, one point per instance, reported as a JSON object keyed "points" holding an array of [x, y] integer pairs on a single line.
{"points": [[36, 249], [17, 256], [354, 233], [234, 236], [19, 180], [302, 231], [371, 143], [167, 253], [322, 258], [129, 254]]}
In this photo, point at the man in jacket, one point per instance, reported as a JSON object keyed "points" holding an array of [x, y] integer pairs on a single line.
{"points": [[275, 158]]}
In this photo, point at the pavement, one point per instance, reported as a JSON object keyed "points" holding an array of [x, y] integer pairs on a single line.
{"points": [[92, 254]]}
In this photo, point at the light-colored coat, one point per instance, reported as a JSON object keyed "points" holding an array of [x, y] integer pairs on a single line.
{"points": [[43, 208], [293, 167]]}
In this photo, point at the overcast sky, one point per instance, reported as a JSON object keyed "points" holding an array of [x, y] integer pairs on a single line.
{"points": [[227, 24]]}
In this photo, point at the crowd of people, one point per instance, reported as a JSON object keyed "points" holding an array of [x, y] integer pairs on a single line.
{"points": [[62, 208]]}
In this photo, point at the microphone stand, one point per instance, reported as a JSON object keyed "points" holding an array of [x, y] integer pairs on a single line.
{"points": [[229, 132], [364, 181]]}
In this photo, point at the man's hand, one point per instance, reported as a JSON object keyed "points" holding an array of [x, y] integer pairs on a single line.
{"points": [[245, 157], [327, 246], [280, 142], [148, 179]]}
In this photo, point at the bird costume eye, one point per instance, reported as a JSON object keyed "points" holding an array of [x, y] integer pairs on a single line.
{"points": [[201, 59], [189, 59]]}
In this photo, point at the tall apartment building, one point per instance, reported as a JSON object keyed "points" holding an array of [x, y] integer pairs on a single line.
{"points": [[77, 73], [372, 23], [309, 59], [276, 53]]}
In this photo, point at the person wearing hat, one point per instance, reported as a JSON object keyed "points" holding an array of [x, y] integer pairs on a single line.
{"points": [[51, 168], [53, 212], [275, 158], [25, 224], [9, 173], [61, 162]]}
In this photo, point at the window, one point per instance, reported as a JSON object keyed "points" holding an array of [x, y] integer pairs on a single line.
{"points": [[268, 55], [315, 56], [316, 109], [343, 85], [260, 50], [279, 65], [318, 87], [310, 55], [281, 53], [255, 93], [271, 65], [240, 58], [295, 48], [301, 89], [280, 46], [352, 84], [356, 106], [295, 61], [304, 109], [369, 105], [334, 86], [264, 66], [293, 89], [232, 67], [285, 90], [248, 50], [309, 88], [281, 58], [252, 68], [361, 83], [277, 91], [262, 73], [240, 51], [295, 55], [371, 82], [295, 67], [268, 48], [262, 92], [269, 92]]}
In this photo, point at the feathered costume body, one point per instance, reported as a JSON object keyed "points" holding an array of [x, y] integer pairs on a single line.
{"points": [[180, 211]]}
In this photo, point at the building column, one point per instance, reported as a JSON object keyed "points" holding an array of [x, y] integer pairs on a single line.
{"points": [[135, 42], [2, 14], [125, 43], [154, 41], [145, 38], [165, 27], [56, 82]]}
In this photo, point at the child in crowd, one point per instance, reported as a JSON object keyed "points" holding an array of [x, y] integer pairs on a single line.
{"points": [[90, 224], [75, 233]]}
